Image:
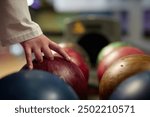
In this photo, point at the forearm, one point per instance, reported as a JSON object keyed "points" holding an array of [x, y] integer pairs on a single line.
{"points": [[16, 24]]}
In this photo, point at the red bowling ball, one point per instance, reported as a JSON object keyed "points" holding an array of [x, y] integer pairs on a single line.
{"points": [[114, 56], [78, 49], [66, 70], [79, 61]]}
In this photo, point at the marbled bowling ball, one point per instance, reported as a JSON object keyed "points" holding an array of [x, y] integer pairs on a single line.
{"points": [[120, 71], [114, 56], [110, 48]]}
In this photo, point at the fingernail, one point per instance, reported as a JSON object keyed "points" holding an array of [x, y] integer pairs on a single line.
{"points": [[30, 67]]}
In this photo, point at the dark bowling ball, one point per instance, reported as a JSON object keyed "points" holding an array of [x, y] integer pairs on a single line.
{"points": [[79, 61], [35, 85], [136, 87], [114, 56], [66, 70], [121, 70]]}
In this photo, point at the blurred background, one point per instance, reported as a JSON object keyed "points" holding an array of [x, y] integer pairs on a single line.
{"points": [[86, 22]]}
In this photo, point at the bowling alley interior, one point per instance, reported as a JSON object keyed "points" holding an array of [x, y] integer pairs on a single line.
{"points": [[108, 42]]}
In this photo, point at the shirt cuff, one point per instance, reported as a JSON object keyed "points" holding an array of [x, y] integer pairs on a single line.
{"points": [[29, 34]]}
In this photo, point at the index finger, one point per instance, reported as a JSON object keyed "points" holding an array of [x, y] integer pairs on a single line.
{"points": [[59, 50]]}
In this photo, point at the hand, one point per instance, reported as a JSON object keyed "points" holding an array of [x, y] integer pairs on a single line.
{"points": [[39, 45]]}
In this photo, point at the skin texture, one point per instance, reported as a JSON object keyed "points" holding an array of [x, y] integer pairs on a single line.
{"points": [[41, 45]]}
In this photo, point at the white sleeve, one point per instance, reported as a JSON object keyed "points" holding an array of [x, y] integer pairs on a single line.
{"points": [[15, 22]]}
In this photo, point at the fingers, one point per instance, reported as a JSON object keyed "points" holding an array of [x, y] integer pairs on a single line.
{"points": [[28, 54], [41, 44], [47, 52], [59, 50], [38, 54]]}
